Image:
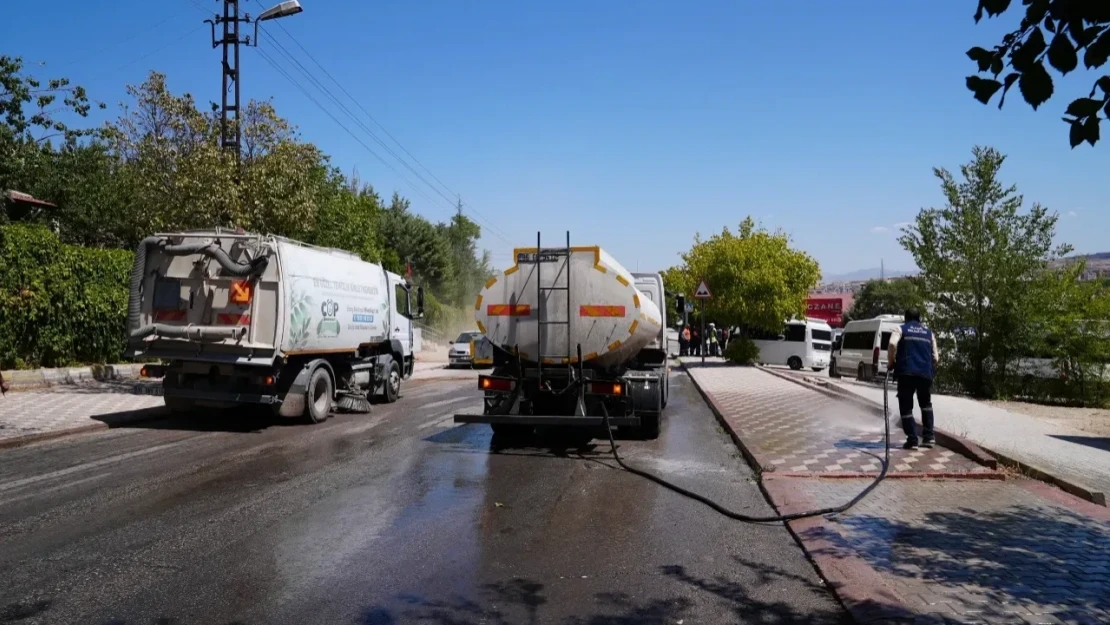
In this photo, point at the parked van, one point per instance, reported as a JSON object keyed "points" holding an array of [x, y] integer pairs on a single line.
{"points": [[803, 343], [863, 346]]}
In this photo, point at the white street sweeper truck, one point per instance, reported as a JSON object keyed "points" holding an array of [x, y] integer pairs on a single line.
{"points": [[242, 318], [575, 337]]}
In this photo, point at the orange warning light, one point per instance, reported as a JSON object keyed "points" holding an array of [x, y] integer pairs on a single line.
{"points": [[241, 292]]}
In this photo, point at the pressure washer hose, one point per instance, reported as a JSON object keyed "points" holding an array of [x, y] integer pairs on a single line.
{"points": [[764, 519]]}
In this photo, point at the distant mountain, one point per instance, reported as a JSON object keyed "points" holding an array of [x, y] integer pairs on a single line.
{"points": [[1099, 261], [1095, 262], [867, 274]]}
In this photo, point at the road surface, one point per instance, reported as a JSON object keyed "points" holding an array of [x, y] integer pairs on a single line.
{"points": [[395, 517]]}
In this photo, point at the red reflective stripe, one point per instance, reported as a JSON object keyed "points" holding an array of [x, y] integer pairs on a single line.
{"points": [[601, 311], [232, 319], [169, 315], [506, 310]]}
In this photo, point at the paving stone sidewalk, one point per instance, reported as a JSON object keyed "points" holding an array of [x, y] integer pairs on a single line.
{"points": [[958, 551], [793, 429], [65, 408], [1058, 450]]}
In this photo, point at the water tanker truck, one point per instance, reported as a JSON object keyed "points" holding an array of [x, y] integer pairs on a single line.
{"points": [[240, 318], [575, 337]]}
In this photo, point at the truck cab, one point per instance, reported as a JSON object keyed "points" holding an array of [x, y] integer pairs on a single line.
{"points": [[401, 330]]}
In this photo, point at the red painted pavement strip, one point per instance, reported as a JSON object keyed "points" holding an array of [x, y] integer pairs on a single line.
{"points": [[985, 474], [859, 587]]}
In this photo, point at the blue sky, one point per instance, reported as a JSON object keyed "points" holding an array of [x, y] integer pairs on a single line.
{"points": [[634, 124]]}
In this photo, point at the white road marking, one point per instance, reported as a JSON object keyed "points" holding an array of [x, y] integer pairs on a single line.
{"points": [[43, 491], [444, 402], [5, 486]]}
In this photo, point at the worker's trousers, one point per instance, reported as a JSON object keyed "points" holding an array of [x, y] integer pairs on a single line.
{"points": [[908, 386]]}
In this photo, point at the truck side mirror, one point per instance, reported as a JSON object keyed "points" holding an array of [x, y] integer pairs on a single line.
{"points": [[419, 302], [681, 304]]}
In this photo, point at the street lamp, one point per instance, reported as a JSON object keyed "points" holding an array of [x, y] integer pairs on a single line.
{"points": [[230, 41], [278, 11]]}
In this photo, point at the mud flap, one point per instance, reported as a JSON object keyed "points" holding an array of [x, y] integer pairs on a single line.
{"points": [[294, 404]]}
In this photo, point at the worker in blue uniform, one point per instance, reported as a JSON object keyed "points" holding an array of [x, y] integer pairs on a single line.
{"points": [[913, 356]]}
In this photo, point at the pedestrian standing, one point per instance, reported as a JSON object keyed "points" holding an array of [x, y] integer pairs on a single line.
{"points": [[913, 356], [684, 341], [711, 340], [4, 387], [695, 342]]}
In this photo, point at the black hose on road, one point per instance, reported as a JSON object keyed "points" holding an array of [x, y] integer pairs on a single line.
{"points": [[764, 519]]}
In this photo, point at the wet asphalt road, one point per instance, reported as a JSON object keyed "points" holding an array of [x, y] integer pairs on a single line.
{"points": [[395, 517]]}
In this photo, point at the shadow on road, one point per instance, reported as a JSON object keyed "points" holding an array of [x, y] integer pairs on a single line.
{"points": [[233, 420], [1098, 442], [525, 601], [1047, 556]]}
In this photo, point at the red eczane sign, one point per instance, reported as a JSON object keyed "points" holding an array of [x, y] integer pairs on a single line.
{"points": [[827, 309]]}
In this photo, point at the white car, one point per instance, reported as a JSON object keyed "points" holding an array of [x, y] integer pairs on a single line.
{"points": [[459, 354]]}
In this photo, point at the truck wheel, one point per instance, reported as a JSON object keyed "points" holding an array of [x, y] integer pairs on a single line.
{"points": [[318, 399], [794, 363], [392, 390], [649, 427]]}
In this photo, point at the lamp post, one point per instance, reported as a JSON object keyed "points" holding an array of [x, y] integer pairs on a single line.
{"points": [[230, 20]]}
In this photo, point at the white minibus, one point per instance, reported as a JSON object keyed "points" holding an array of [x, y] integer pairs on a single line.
{"points": [[803, 343]]}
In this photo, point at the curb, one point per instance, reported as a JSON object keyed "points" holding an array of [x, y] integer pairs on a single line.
{"points": [[957, 444], [1033, 471], [31, 379]]}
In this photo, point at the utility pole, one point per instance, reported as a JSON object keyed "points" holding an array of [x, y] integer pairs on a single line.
{"points": [[230, 138]]}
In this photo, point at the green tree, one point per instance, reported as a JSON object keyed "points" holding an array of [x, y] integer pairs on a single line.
{"points": [[757, 279], [886, 297], [470, 268], [1074, 328], [1057, 32], [980, 258], [416, 241]]}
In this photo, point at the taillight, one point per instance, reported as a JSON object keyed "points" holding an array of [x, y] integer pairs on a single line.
{"points": [[875, 358], [495, 385], [606, 388]]}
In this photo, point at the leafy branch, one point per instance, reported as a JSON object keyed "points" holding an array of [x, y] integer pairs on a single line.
{"points": [[1073, 27]]}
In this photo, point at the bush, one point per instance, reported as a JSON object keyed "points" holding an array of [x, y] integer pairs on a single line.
{"points": [[60, 304], [741, 351]]}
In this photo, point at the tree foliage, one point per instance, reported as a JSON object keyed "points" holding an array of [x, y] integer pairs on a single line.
{"points": [[1057, 32], [886, 297], [980, 257], [757, 279]]}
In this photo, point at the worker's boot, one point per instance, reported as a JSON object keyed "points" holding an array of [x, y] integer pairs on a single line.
{"points": [[928, 443], [911, 443]]}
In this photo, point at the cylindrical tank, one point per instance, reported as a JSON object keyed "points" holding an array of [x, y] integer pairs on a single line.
{"points": [[588, 299]]}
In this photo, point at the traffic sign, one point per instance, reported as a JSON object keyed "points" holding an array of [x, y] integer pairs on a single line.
{"points": [[689, 307], [702, 291]]}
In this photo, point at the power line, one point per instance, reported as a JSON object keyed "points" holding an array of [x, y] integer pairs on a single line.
{"points": [[285, 74], [315, 82], [379, 125], [308, 74]]}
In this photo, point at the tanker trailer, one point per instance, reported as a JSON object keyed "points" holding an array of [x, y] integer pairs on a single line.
{"points": [[575, 336], [240, 318]]}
